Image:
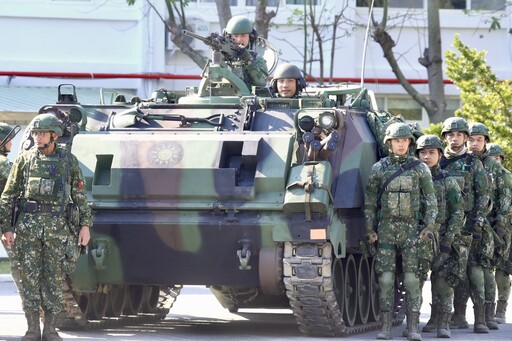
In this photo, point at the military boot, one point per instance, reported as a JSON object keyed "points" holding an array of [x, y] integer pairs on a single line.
{"points": [[431, 325], [480, 326], [412, 326], [443, 329], [49, 332], [458, 320], [387, 320], [501, 309], [489, 316], [34, 330]]}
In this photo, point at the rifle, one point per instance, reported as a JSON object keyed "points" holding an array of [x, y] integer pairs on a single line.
{"points": [[227, 46]]}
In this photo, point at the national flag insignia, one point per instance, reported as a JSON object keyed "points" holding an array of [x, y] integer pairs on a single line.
{"points": [[80, 185]]}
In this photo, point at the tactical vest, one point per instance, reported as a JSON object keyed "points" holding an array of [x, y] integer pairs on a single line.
{"points": [[401, 199], [440, 187], [460, 170], [490, 170], [3, 181], [46, 178]]}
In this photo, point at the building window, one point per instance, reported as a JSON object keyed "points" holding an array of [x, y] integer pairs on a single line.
{"points": [[301, 2], [408, 108], [482, 5], [270, 3], [391, 3], [488, 5]]}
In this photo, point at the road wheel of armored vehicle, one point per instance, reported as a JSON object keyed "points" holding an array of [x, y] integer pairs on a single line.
{"points": [[363, 289], [374, 294], [350, 311], [134, 300], [96, 306], [117, 297], [150, 299]]}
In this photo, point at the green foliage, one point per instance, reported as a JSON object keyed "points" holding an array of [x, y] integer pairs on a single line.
{"points": [[485, 98], [434, 129], [5, 267]]}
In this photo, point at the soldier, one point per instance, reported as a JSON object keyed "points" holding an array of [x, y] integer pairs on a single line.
{"points": [[249, 66], [47, 184], [6, 135], [498, 218], [450, 219], [400, 187], [287, 81], [502, 252], [472, 179]]}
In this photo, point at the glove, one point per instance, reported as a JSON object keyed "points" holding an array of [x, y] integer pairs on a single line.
{"points": [[445, 248], [243, 54], [439, 260], [427, 233], [371, 237], [477, 230]]}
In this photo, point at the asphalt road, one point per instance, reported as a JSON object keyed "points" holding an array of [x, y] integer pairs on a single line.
{"points": [[197, 315]]}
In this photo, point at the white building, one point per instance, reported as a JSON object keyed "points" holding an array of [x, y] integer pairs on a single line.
{"points": [[108, 44]]}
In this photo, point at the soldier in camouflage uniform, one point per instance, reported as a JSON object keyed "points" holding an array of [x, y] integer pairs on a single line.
{"points": [[6, 135], [287, 81], [472, 179], [502, 253], [498, 219], [45, 182], [450, 219], [400, 187], [249, 66]]}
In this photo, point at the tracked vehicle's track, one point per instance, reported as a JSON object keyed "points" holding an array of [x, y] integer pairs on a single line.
{"points": [[314, 296], [74, 319]]}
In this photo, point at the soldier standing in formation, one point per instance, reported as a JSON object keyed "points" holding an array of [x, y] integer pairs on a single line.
{"points": [[287, 81], [495, 229], [400, 187], [6, 135], [472, 179], [249, 66], [450, 219], [47, 183]]}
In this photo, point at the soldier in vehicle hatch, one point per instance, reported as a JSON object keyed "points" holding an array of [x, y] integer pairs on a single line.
{"points": [[497, 224], [450, 219], [399, 194], [48, 186], [287, 81], [502, 252], [472, 179], [249, 66]]}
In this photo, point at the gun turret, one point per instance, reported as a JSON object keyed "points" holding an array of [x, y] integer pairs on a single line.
{"points": [[227, 46]]}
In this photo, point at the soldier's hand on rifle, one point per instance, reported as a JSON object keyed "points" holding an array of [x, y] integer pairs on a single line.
{"points": [[371, 237], [477, 230], [8, 239], [243, 54], [84, 235], [427, 233]]}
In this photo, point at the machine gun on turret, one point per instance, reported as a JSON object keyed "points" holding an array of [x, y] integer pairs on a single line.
{"points": [[227, 46]]}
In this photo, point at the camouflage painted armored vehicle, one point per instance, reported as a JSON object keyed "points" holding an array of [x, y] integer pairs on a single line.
{"points": [[258, 198]]}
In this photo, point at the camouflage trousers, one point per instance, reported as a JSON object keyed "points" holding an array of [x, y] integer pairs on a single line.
{"points": [[471, 285], [41, 245], [15, 265]]}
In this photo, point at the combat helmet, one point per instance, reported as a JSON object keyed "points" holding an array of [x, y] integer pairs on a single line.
{"points": [[478, 128], [455, 124], [240, 24], [398, 130], [495, 149], [429, 142], [5, 129], [47, 122], [288, 71]]}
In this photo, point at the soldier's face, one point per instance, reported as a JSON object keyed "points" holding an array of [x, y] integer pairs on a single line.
{"points": [[41, 137], [455, 140], [429, 156], [476, 143], [400, 146], [8, 146], [241, 39], [286, 87]]}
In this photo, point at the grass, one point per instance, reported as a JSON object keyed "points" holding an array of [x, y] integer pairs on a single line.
{"points": [[5, 267]]}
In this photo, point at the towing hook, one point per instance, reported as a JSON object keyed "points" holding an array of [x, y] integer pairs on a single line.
{"points": [[244, 254]]}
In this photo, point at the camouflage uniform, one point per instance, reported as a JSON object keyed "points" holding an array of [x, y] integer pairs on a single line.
{"points": [[502, 254], [395, 217], [249, 66], [44, 185], [5, 168], [472, 179], [446, 268]]}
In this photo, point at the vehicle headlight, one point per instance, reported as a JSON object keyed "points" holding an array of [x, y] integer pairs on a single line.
{"points": [[326, 120], [306, 123]]}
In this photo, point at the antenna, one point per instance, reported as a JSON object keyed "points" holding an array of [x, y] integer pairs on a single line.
{"points": [[366, 42]]}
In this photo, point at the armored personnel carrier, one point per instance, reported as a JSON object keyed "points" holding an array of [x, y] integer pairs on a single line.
{"points": [[256, 197]]}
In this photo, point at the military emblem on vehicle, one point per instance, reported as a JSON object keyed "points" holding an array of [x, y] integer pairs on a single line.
{"points": [[165, 154]]}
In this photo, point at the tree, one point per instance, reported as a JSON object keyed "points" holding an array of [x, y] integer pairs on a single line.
{"points": [[435, 104], [177, 21], [485, 98]]}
